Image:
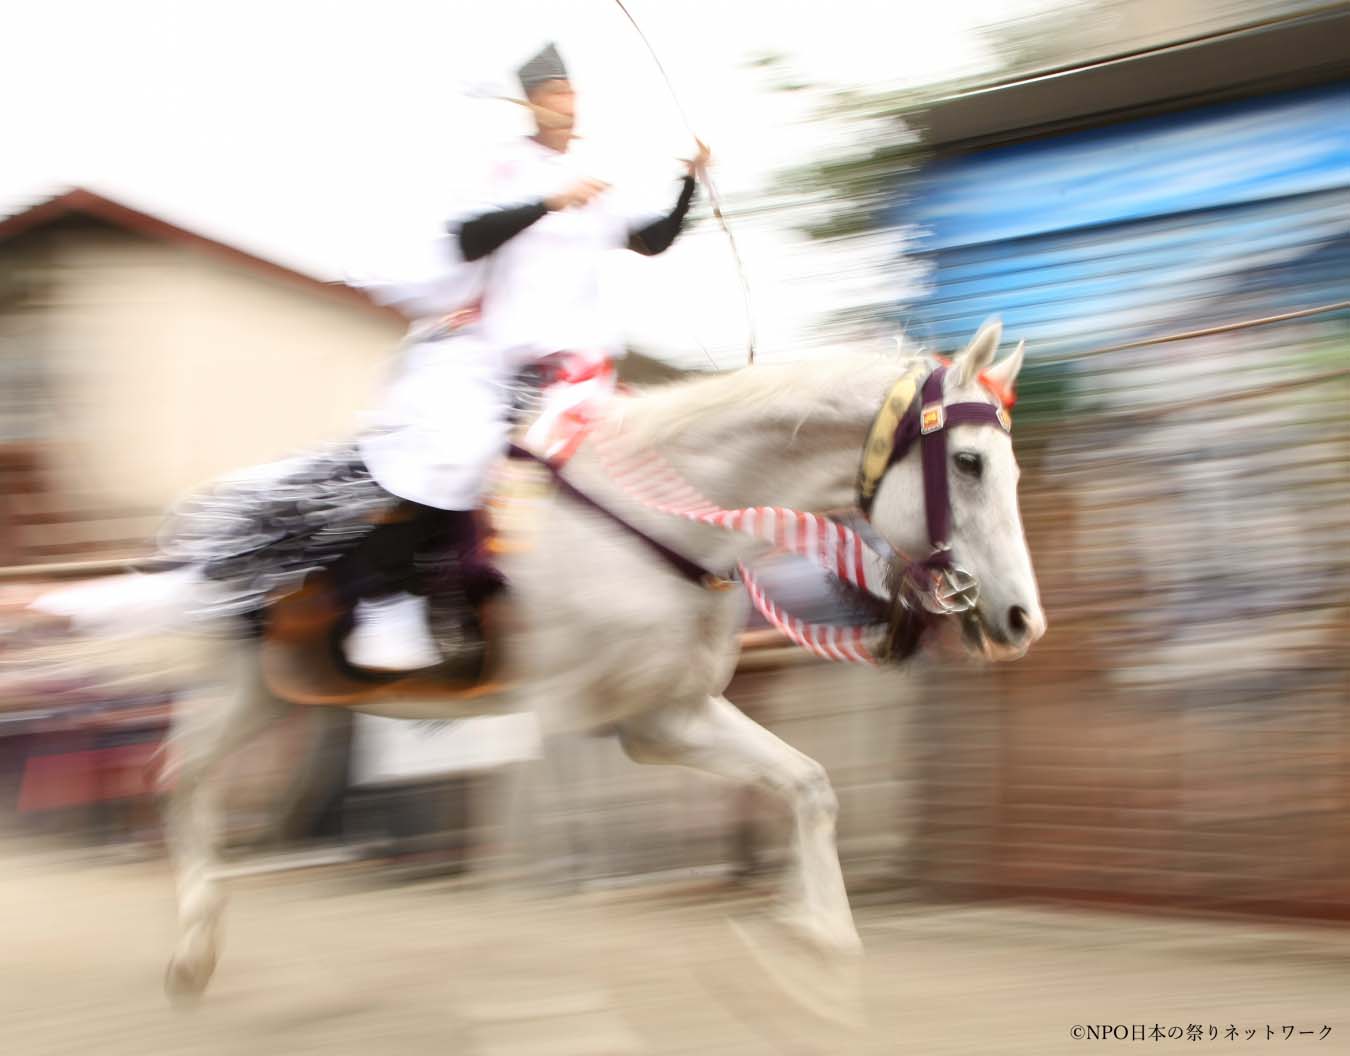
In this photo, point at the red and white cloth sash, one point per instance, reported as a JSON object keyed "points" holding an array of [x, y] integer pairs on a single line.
{"points": [[835, 547], [578, 393]]}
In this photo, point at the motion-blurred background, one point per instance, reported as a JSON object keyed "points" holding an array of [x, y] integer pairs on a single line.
{"points": [[1154, 195]]}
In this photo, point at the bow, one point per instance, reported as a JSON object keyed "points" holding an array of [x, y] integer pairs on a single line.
{"points": [[713, 197]]}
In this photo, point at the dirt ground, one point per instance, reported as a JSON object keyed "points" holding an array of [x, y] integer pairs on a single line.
{"points": [[338, 960]]}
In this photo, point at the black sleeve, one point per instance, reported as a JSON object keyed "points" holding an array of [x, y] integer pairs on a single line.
{"points": [[657, 237], [481, 235]]}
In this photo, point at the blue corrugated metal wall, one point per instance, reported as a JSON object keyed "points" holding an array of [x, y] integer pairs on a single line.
{"points": [[1140, 228]]}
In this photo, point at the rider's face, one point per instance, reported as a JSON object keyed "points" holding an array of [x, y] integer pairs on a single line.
{"points": [[559, 102]]}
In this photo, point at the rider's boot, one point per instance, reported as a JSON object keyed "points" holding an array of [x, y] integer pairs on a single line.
{"points": [[390, 631], [439, 561]]}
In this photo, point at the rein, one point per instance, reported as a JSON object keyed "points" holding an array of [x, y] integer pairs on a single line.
{"points": [[686, 566]]}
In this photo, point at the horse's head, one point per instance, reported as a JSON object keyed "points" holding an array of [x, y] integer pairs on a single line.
{"points": [[985, 535]]}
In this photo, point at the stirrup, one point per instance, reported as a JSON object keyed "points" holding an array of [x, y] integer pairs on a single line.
{"points": [[455, 628]]}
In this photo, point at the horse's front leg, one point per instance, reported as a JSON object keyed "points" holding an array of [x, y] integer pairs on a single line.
{"points": [[715, 736]]}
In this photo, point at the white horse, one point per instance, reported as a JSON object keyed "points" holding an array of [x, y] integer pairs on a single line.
{"points": [[608, 634]]}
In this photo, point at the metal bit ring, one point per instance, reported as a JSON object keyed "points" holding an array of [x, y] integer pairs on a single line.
{"points": [[954, 591]]}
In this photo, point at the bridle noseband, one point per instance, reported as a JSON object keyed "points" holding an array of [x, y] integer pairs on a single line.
{"points": [[914, 412]]}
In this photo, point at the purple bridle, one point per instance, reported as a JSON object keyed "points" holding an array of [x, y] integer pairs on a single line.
{"points": [[940, 586]]}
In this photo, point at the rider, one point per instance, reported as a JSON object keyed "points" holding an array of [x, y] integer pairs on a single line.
{"points": [[523, 286]]}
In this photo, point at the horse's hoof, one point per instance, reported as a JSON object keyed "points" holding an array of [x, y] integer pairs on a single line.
{"points": [[184, 982], [830, 943], [822, 978]]}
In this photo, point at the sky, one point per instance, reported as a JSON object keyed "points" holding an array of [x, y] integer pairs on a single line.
{"points": [[332, 136]]}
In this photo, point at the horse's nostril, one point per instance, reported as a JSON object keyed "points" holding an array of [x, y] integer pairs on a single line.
{"points": [[1017, 620]]}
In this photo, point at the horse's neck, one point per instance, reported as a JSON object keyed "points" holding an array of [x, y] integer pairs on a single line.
{"points": [[778, 436], [809, 466]]}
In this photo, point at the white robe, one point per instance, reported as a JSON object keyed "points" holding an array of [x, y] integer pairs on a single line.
{"points": [[442, 421]]}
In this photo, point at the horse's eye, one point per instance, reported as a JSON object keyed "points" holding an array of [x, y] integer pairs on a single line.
{"points": [[969, 463]]}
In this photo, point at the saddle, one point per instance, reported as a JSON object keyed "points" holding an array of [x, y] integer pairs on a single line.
{"points": [[303, 662]]}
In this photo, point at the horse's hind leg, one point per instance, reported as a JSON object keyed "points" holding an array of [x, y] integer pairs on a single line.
{"points": [[717, 737], [207, 726]]}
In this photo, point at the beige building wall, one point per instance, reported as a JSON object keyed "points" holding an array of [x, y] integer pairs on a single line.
{"points": [[170, 366]]}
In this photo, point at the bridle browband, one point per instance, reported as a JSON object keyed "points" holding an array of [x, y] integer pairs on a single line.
{"points": [[912, 412]]}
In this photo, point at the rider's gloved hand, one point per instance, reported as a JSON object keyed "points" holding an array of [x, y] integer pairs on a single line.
{"points": [[698, 164]]}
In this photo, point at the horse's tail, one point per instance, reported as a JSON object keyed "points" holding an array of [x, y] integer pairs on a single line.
{"points": [[131, 604]]}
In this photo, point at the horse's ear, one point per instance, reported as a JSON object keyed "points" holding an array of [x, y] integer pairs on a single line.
{"points": [[980, 353], [1003, 376]]}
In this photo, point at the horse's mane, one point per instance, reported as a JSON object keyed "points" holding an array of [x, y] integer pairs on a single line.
{"points": [[838, 389]]}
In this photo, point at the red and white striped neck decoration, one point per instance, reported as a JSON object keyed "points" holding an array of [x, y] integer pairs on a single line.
{"points": [[835, 547]]}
